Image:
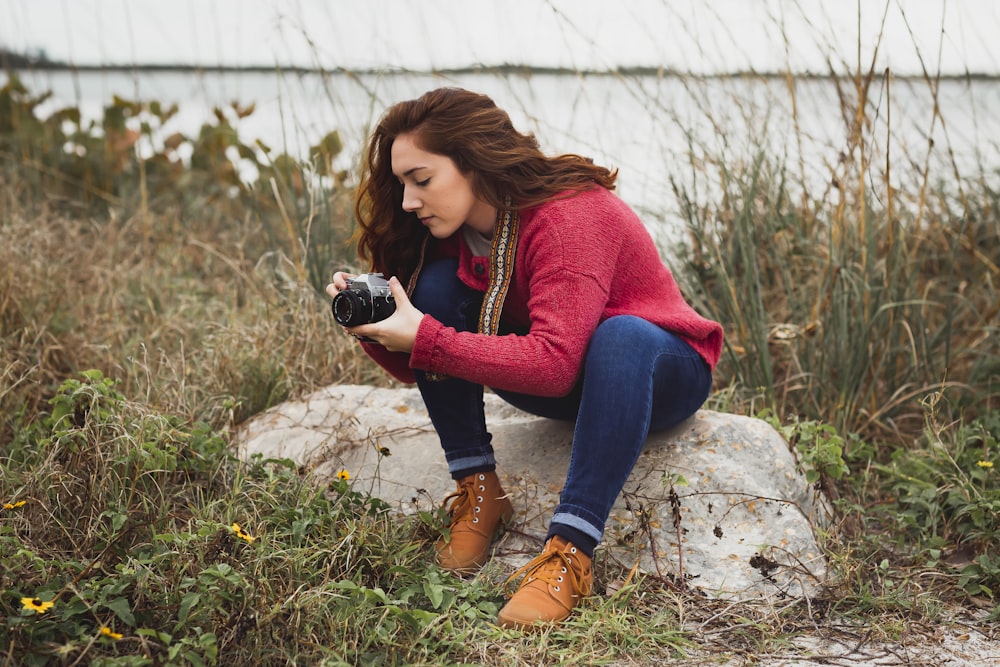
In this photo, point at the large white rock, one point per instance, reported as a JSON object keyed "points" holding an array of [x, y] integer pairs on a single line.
{"points": [[718, 502]]}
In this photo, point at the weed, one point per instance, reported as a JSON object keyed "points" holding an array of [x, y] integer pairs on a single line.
{"points": [[949, 498], [144, 525]]}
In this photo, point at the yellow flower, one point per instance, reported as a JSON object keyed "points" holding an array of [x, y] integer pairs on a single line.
{"points": [[106, 631], [10, 506], [984, 464], [240, 534], [343, 475], [37, 605]]}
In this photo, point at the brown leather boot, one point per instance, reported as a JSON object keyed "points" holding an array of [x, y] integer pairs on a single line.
{"points": [[554, 583], [479, 511]]}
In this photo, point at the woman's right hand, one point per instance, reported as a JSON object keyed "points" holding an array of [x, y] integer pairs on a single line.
{"points": [[339, 283]]}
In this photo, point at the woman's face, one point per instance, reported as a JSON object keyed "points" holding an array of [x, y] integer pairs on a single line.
{"points": [[437, 192]]}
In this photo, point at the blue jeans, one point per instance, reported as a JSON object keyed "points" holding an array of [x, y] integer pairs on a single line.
{"points": [[636, 378]]}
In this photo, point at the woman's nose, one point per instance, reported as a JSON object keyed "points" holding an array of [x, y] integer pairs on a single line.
{"points": [[410, 201]]}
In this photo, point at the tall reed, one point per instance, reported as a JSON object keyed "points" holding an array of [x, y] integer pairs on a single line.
{"points": [[850, 301]]}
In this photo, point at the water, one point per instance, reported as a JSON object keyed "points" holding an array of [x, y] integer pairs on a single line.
{"points": [[657, 130]]}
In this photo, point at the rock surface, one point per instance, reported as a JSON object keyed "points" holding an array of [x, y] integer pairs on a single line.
{"points": [[718, 501]]}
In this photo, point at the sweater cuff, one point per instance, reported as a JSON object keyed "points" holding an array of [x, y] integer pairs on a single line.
{"points": [[422, 354]]}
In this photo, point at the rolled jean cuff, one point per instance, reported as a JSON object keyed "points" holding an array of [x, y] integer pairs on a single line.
{"points": [[457, 467], [591, 527]]}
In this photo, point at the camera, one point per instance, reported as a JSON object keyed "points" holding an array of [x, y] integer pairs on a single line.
{"points": [[366, 299]]}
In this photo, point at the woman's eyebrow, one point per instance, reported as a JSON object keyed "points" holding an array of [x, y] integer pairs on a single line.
{"points": [[408, 172]]}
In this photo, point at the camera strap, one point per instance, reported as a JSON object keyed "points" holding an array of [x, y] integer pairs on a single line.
{"points": [[501, 267]]}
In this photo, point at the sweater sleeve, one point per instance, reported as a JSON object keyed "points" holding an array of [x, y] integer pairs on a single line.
{"points": [[544, 362]]}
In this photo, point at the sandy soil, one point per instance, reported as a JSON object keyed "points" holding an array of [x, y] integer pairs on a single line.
{"points": [[965, 643]]}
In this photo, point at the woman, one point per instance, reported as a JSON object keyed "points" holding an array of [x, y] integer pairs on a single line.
{"points": [[523, 273]]}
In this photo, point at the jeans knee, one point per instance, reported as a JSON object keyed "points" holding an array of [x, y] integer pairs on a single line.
{"points": [[614, 328], [623, 337]]}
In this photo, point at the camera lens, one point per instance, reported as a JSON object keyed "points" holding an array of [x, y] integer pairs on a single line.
{"points": [[351, 308]]}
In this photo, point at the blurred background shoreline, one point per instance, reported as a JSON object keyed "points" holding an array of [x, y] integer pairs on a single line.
{"points": [[10, 60], [652, 126]]}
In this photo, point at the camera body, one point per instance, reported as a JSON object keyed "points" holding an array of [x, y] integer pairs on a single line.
{"points": [[366, 299]]}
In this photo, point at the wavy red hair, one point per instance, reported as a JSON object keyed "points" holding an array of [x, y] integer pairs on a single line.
{"points": [[481, 140]]}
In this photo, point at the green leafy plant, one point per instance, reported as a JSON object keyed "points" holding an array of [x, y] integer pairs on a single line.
{"points": [[948, 494], [821, 449]]}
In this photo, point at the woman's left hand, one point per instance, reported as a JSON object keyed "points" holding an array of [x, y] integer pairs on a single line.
{"points": [[397, 332]]}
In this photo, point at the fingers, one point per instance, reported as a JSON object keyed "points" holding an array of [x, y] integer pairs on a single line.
{"points": [[397, 290], [339, 282]]}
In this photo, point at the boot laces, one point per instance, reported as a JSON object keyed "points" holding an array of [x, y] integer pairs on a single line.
{"points": [[554, 566], [464, 504]]}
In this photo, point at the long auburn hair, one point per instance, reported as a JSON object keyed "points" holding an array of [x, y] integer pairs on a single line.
{"points": [[480, 138]]}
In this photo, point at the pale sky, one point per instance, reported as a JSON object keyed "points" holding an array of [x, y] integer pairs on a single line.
{"points": [[690, 35]]}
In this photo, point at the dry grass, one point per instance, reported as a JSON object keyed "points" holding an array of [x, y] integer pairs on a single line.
{"points": [[176, 308]]}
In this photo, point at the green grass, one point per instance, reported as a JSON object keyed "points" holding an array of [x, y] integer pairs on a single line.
{"points": [[146, 311]]}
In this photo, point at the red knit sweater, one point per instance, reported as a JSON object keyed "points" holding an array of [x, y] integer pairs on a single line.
{"points": [[579, 261]]}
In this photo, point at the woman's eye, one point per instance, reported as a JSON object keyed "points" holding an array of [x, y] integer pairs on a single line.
{"points": [[423, 182]]}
